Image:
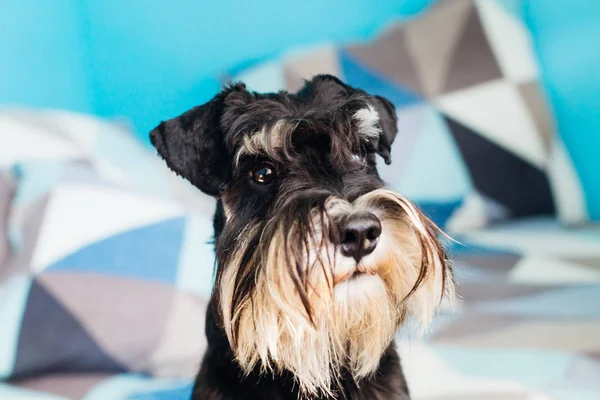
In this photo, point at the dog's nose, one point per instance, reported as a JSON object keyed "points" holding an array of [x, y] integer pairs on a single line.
{"points": [[359, 234]]}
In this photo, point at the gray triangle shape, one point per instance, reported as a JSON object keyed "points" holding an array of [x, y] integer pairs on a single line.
{"points": [[293, 81], [473, 61], [7, 190], [432, 39], [51, 340], [539, 111], [389, 56]]}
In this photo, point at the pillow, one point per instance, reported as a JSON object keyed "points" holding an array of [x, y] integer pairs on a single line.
{"points": [[474, 130], [6, 193], [112, 268]]}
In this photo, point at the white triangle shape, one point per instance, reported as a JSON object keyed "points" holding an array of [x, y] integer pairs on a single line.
{"points": [[421, 362], [81, 128], [78, 215], [409, 123], [471, 215], [547, 270], [423, 179], [566, 187], [510, 42], [267, 77], [495, 110], [22, 142]]}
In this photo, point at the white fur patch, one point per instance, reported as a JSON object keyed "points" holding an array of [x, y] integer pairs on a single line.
{"points": [[368, 122]]}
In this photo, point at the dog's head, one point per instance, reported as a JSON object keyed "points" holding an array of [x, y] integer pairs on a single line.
{"points": [[318, 262]]}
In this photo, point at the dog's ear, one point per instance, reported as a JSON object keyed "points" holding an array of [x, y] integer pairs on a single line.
{"points": [[389, 126], [328, 88], [193, 144]]}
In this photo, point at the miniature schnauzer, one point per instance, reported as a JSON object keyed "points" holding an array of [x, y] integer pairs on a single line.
{"points": [[318, 263]]}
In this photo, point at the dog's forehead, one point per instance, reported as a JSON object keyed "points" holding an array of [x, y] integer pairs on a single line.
{"points": [[283, 123]]}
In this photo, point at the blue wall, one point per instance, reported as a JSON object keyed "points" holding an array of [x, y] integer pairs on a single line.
{"points": [[151, 59], [41, 55], [567, 42]]}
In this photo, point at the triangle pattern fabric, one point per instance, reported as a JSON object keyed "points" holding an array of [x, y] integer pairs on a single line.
{"points": [[197, 259], [570, 301], [432, 41], [509, 40], [585, 371], [439, 212], [410, 124], [13, 297], [107, 212], [496, 110], [21, 141], [485, 324], [591, 263], [183, 341], [473, 61], [43, 345], [67, 386], [422, 178], [27, 238], [548, 270], [531, 94], [513, 7], [140, 308], [128, 254], [499, 262], [321, 61], [495, 291], [501, 176], [36, 178], [566, 186], [389, 56], [476, 212], [360, 76], [266, 78]]}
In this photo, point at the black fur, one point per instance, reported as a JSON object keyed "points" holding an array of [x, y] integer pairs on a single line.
{"points": [[324, 157]]}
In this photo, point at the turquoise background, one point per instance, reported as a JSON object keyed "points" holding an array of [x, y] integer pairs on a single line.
{"points": [[148, 60], [152, 59], [567, 42]]}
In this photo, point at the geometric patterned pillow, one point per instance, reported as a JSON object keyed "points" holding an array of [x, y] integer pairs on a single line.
{"points": [[6, 194], [112, 264], [474, 131]]}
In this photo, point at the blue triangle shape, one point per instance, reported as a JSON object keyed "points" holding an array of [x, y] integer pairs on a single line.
{"points": [[358, 75], [151, 252], [439, 212], [183, 392]]}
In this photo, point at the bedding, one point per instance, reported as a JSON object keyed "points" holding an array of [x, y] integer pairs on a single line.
{"points": [[111, 264], [527, 328], [6, 194], [476, 142]]}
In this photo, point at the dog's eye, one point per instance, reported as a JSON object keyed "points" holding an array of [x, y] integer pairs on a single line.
{"points": [[263, 173]]}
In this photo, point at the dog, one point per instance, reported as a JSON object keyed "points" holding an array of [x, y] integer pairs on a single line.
{"points": [[318, 263]]}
